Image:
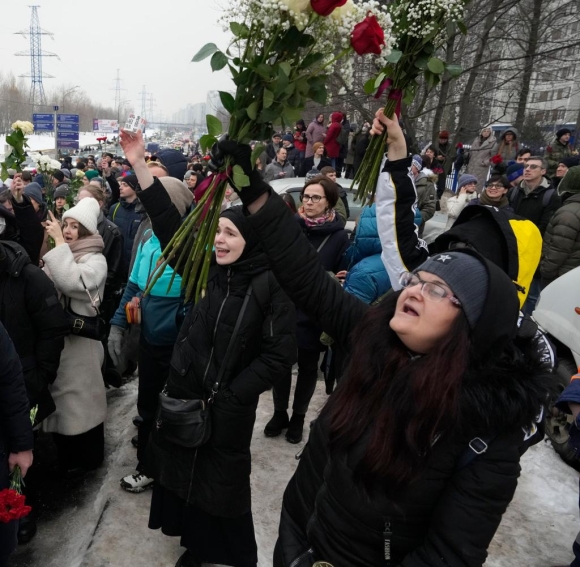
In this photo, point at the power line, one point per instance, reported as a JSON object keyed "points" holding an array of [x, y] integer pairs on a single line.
{"points": [[36, 54]]}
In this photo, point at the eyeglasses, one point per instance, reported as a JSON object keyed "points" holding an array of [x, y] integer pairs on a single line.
{"points": [[532, 166], [495, 186], [313, 198], [430, 290]]}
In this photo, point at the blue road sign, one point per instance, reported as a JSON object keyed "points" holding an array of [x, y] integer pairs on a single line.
{"points": [[68, 144], [44, 126], [43, 118], [66, 127], [74, 118], [55, 108], [67, 136]]}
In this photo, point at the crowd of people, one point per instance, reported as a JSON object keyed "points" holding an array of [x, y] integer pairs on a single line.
{"points": [[436, 384]]}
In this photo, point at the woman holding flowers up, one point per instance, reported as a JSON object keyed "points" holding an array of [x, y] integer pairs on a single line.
{"points": [[415, 457]]}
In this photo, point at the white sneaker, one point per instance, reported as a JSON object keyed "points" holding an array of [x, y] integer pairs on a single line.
{"points": [[136, 483]]}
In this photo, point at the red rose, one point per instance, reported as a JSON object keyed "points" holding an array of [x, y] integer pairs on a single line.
{"points": [[326, 7], [496, 159], [368, 36]]}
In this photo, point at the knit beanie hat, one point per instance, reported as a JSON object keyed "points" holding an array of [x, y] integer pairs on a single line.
{"points": [[514, 171], [130, 180], [58, 175], [570, 182], [85, 212], [66, 172], [570, 161], [288, 138], [561, 132], [466, 276], [417, 162], [444, 134], [466, 179], [61, 191], [89, 174], [312, 174], [34, 191], [179, 193]]}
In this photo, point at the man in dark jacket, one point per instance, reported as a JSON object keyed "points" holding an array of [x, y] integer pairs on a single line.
{"points": [[558, 151], [273, 147], [536, 200], [292, 153], [127, 219], [15, 432]]}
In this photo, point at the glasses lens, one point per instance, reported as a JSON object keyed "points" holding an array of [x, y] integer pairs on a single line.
{"points": [[531, 166], [313, 198], [434, 291], [496, 186]]}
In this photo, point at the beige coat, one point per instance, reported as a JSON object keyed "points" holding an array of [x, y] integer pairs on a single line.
{"points": [[79, 390]]}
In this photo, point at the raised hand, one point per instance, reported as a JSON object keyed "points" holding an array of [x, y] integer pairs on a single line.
{"points": [[133, 145]]}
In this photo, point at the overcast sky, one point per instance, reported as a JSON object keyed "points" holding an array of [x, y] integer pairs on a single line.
{"points": [[151, 43]]}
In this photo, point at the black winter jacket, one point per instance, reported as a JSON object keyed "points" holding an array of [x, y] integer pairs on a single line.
{"points": [[532, 206], [127, 219], [24, 227], [34, 318], [308, 165], [449, 516], [216, 477], [331, 256], [113, 251], [15, 426]]}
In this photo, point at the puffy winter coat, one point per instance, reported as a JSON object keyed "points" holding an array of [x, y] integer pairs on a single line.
{"points": [[275, 169], [449, 516], [216, 477], [555, 154], [331, 144], [456, 204], [127, 219], [15, 427], [163, 309], [480, 154], [113, 250], [78, 391], [314, 133], [426, 197], [35, 320], [561, 249]]}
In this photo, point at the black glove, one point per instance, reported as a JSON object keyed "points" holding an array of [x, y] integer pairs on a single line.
{"points": [[242, 156]]}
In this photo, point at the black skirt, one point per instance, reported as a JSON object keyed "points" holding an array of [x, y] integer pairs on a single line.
{"points": [[210, 539]]}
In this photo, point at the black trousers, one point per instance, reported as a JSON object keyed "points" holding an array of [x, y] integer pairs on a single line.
{"points": [[153, 372], [86, 450], [305, 383]]}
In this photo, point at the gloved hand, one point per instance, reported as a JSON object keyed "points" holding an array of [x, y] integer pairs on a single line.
{"points": [[115, 343], [242, 156]]}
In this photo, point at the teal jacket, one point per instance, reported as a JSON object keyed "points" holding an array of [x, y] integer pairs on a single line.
{"points": [[163, 309]]}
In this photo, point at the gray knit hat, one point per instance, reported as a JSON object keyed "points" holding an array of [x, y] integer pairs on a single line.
{"points": [[466, 179], [466, 276]]}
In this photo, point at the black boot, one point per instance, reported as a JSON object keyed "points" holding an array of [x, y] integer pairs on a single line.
{"points": [[187, 560], [294, 433], [277, 423], [27, 527]]}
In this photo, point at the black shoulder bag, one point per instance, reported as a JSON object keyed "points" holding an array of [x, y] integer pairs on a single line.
{"points": [[83, 325], [187, 423]]}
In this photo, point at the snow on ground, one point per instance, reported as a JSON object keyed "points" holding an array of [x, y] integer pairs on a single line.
{"points": [[106, 527]]}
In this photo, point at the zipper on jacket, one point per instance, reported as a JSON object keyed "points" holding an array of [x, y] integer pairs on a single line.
{"points": [[302, 556], [387, 537], [216, 326]]}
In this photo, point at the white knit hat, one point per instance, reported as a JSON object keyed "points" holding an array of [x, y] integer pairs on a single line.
{"points": [[86, 212]]}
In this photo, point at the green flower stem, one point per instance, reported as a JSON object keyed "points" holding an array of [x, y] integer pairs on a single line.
{"points": [[16, 481]]}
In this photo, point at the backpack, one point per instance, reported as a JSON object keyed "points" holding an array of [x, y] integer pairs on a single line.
{"points": [[514, 193], [342, 138]]}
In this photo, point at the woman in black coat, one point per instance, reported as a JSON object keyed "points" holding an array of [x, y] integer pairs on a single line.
{"points": [[325, 232], [415, 457], [316, 161], [204, 494]]}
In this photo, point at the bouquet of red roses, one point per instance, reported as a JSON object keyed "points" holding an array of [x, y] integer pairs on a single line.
{"points": [[12, 501]]}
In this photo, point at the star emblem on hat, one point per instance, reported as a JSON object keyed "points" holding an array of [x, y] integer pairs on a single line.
{"points": [[444, 258]]}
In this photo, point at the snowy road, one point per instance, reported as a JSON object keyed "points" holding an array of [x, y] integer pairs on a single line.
{"points": [[96, 524]]}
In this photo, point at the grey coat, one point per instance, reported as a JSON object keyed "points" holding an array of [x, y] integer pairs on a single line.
{"points": [[480, 154], [274, 170]]}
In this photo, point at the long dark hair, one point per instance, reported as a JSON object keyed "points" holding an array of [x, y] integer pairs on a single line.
{"points": [[397, 402]]}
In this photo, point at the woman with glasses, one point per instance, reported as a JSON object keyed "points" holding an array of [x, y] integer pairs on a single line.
{"points": [[325, 231], [495, 193], [415, 457]]}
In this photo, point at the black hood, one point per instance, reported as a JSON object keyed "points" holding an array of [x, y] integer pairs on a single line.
{"points": [[174, 161], [12, 258]]}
